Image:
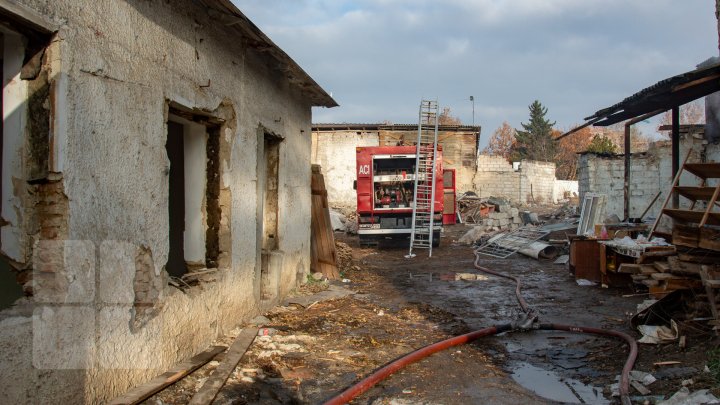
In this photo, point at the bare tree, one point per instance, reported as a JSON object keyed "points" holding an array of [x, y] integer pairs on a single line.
{"points": [[502, 141], [446, 118], [639, 142], [690, 113], [566, 157]]}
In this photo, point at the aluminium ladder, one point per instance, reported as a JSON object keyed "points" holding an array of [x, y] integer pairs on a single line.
{"points": [[421, 235]]}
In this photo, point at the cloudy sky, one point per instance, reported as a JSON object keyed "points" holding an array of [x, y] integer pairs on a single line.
{"points": [[379, 58]]}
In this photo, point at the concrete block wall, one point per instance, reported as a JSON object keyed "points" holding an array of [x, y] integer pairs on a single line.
{"points": [[532, 182], [650, 173], [537, 181]]}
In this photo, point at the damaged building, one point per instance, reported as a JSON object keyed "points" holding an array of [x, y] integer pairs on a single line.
{"points": [[333, 147], [486, 175], [155, 188]]}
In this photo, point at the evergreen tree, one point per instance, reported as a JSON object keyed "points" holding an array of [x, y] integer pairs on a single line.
{"points": [[534, 141], [602, 145]]}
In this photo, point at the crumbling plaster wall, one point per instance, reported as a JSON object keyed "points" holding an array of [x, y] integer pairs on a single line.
{"points": [[650, 173], [531, 182], [118, 63]]}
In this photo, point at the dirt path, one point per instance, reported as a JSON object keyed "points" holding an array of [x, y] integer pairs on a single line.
{"points": [[400, 305]]}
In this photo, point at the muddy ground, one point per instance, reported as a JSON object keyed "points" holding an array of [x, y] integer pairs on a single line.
{"points": [[396, 305]]}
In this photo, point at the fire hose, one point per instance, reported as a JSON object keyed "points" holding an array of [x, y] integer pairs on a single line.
{"points": [[527, 323]]}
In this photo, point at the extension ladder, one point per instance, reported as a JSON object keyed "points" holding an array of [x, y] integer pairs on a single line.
{"points": [[421, 236]]}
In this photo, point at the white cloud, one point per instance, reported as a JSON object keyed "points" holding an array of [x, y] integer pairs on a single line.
{"points": [[379, 57]]}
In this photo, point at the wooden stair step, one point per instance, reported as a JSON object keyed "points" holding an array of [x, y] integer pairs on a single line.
{"points": [[692, 216], [696, 193], [704, 170]]}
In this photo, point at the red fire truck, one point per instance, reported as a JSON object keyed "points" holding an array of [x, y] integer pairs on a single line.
{"points": [[385, 185]]}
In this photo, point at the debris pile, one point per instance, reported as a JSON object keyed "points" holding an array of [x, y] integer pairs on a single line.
{"points": [[664, 277], [344, 257]]}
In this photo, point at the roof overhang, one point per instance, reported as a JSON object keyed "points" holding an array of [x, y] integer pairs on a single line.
{"points": [[663, 95], [327, 127], [224, 12]]}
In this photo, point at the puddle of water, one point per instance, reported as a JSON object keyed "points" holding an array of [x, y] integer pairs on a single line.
{"points": [[548, 384]]}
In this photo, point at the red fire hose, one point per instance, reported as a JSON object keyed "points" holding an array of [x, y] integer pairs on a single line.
{"points": [[410, 358], [417, 355]]}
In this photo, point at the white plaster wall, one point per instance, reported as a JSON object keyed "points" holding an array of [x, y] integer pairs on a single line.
{"points": [[14, 107], [118, 63], [335, 152], [563, 187], [713, 152]]}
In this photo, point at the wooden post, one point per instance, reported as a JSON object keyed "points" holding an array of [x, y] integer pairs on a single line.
{"points": [[675, 149]]}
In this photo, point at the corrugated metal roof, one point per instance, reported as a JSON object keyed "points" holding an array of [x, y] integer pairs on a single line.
{"points": [[663, 95], [225, 12]]}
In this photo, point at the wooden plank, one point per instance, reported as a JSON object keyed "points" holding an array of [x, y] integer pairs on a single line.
{"points": [[663, 276], [709, 239], [704, 170], [177, 372], [647, 269], [322, 245], [662, 267], [682, 283], [699, 258], [710, 291], [658, 291], [684, 215], [629, 268], [207, 393], [696, 193]]}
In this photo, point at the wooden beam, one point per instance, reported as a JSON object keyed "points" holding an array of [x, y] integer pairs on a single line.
{"points": [[159, 383], [207, 393], [696, 82]]}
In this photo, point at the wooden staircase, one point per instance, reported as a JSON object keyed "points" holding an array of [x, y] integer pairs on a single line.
{"points": [[697, 225]]}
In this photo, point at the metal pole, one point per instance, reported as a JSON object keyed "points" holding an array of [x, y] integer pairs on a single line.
{"points": [[626, 185], [675, 148], [626, 188], [472, 99]]}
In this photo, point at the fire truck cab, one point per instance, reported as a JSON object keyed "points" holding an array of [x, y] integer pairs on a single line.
{"points": [[385, 187]]}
